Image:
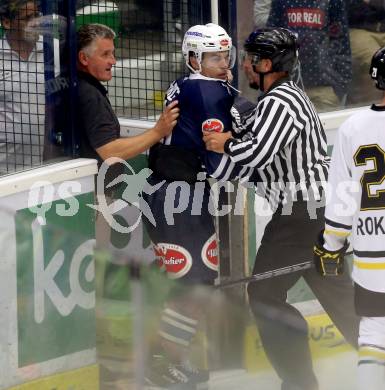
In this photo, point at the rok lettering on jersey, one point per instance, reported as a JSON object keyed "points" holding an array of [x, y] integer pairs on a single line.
{"points": [[306, 17], [174, 259], [371, 226], [210, 253]]}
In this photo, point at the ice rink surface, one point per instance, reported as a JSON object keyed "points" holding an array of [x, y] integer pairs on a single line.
{"points": [[335, 373]]}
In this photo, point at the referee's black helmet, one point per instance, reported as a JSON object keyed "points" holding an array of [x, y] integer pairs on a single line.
{"points": [[377, 68], [277, 44]]}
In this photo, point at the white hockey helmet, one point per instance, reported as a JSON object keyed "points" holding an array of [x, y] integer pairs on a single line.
{"points": [[201, 39]]}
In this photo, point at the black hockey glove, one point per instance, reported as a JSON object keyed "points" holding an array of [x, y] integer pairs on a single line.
{"points": [[328, 263]]}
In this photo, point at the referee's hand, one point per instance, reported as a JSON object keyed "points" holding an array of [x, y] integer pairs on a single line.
{"points": [[215, 141]]}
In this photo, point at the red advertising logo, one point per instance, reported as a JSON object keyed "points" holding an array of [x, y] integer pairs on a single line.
{"points": [[175, 259], [224, 42], [210, 253], [213, 125], [305, 17]]}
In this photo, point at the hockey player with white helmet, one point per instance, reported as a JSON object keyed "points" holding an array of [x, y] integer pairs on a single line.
{"points": [[209, 38], [205, 98], [357, 173]]}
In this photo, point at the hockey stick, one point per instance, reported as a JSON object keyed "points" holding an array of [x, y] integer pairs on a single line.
{"points": [[268, 274]]}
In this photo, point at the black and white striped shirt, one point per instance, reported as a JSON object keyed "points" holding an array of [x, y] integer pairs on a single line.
{"points": [[284, 153]]}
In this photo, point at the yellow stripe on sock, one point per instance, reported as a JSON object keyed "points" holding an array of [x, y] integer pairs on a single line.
{"points": [[366, 352], [336, 233]]}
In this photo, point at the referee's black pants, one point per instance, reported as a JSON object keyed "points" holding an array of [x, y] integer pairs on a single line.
{"points": [[288, 240]]}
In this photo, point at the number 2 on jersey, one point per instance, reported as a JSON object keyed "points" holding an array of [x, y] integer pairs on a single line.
{"points": [[372, 199]]}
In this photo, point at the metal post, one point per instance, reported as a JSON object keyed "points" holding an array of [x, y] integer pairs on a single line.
{"points": [[174, 26], [214, 11], [138, 303], [244, 27], [233, 27], [233, 313], [49, 68], [72, 141]]}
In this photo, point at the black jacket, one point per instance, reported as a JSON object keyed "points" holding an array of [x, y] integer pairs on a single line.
{"points": [[367, 16]]}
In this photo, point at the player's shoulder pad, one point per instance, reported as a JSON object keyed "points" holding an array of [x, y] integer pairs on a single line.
{"points": [[243, 113], [174, 89], [243, 106]]}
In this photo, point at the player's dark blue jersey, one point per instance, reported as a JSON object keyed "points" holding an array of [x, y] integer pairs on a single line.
{"points": [[187, 248], [204, 103]]}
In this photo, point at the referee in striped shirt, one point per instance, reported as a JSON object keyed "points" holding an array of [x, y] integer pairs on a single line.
{"points": [[286, 150]]}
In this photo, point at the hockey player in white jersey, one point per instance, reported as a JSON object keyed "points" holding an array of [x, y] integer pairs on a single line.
{"points": [[356, 209]]}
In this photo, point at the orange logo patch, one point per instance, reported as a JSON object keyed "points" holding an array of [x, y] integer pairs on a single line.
{"points": [[213, 125]]}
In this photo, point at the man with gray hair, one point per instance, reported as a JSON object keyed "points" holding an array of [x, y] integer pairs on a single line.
{"points": [[98, 125]]}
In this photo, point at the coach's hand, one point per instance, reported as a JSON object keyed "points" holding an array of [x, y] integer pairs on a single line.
{"points": [[215, 141], [328, 263], [167, 120]]}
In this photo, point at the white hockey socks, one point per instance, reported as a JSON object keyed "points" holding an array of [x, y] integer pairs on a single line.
{"points": [[177, 328], [371, 363]]}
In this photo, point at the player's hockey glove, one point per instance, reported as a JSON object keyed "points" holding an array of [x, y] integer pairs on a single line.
{"points": [[328, 263]]}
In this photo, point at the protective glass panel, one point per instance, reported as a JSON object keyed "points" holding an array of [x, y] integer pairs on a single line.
{"points": [[118, 312], [337, 41]]}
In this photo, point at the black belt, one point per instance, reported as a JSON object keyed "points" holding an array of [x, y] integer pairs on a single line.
{"points": [[174, 163]]}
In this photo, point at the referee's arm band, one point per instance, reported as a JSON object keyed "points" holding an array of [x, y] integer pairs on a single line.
{"points": [[228, 143]]}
